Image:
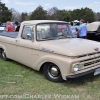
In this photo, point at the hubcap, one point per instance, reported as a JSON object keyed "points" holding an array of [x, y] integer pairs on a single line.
{"points": [[53, 72]]}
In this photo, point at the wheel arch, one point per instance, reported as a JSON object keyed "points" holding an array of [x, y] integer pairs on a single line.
{"points": [[41, 64], [41, 67], [3, 48]]}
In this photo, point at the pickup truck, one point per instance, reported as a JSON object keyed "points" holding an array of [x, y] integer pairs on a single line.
{"points": [[57, 53]]}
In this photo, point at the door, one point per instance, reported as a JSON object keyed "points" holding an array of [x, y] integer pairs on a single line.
{"points": [[24, 45]]}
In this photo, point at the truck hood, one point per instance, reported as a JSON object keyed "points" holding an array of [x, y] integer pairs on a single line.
{"points": [[70, 47]]}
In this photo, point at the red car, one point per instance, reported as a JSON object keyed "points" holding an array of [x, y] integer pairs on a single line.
{"points": [[61, 27]]}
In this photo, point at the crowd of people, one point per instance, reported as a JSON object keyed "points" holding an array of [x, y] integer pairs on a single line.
{"points": [[79, 31], [10, 28]]}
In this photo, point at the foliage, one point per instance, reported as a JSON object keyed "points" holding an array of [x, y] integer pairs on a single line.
{"points": [[83, 13], [54, 14], [38, 14], [66, 14], [16, 16], [5, 13], [97, 16], [24, 16]]}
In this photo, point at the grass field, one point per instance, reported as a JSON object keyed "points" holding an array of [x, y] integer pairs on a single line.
{"points": [[18, 80]]}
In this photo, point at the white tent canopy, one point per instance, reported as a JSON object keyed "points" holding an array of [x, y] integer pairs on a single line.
{"points": [[76, 21]]}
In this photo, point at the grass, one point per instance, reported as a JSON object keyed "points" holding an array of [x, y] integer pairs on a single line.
{"points": [[17, 79]]}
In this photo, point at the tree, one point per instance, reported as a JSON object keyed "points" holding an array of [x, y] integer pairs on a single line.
{"points": [[38, 14], [54, 14], [5, 13], [97, 16], [28, 16], [83, 13], [66, 14], [16, 16], [24, 16]]}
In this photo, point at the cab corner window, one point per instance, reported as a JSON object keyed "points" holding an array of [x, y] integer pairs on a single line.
{"points": [[28, 32]]}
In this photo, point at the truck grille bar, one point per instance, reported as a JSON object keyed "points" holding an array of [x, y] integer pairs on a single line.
{"points": [[94, 59]]}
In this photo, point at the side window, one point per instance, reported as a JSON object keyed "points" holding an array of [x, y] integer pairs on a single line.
{"points": [[27, 32]]}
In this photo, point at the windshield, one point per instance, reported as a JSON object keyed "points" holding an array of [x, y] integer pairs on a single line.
{"points": [[53, 31]]}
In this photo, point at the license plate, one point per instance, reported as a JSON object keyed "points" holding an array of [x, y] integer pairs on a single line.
{"points": [[97, 71]]}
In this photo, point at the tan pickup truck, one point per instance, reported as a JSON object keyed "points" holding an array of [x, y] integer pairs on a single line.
{"points": [[54, 51]]}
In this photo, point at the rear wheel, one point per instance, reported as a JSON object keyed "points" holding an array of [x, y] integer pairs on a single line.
{"points": [[52, 72], [3, 55]]}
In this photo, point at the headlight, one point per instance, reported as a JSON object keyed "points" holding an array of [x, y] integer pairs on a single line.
{"points": [[77, 67]]}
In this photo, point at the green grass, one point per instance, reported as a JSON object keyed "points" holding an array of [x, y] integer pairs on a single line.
{"points": [[34, 83]]}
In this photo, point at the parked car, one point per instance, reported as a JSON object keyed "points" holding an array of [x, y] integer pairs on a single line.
{"points": [[57, 54], [2, 28], [93, 31], [61, 27], [12, 23]]}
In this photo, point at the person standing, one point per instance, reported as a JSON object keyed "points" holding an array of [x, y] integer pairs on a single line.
{"points": [[17, 27], [9, 27], [73, 29], [82, 32]]}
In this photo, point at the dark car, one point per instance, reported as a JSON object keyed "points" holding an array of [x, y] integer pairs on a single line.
{"points": [[94, 31]]}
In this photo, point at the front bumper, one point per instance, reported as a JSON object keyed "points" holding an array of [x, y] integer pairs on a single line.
{"points": [[89, 73]]}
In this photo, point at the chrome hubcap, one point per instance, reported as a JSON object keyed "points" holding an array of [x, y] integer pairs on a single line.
{"points": [[53, 72]]}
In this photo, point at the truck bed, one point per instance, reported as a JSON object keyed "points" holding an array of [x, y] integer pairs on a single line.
{"points": [[9, 34]]}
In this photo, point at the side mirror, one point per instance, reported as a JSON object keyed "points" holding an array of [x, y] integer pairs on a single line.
{"points": [[29, 36]]}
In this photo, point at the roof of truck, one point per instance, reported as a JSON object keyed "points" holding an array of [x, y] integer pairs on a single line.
{"points": [[42, 21]]}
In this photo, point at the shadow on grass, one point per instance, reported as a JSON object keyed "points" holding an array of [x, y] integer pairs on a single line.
{"points": [[26, 67], [74, 83]]}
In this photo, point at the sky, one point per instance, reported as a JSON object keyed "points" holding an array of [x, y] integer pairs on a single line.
{"points": [[31, 5]]}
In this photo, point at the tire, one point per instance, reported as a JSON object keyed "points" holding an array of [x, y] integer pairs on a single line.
{"points": [[52, 72], [3, 55]]}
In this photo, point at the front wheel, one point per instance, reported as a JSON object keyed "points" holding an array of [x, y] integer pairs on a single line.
{"points": [[3, 55], [52, 72]]}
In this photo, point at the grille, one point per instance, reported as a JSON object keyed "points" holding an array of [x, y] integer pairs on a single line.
{"points": [[94, 59]]}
